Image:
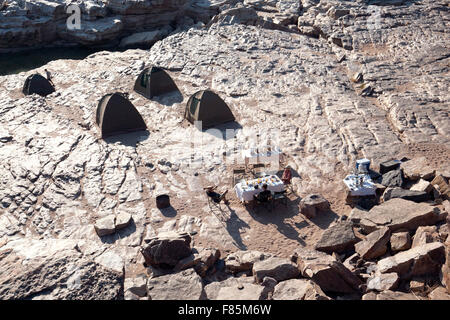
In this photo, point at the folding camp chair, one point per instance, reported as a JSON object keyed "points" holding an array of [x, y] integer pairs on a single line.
{"points": [[238, 175], [258, 170], [279, 197], [212, 203]]}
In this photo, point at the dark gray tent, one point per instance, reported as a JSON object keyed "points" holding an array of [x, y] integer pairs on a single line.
{"points": [[154, 81], [37, 84], [208, 107], [116, 114]]}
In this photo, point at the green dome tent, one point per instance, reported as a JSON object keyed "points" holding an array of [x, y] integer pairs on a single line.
{"points": [[208, 107], [154, 81], [36, 83], [116, 114]]}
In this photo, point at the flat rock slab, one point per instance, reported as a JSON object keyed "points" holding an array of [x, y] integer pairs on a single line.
{"points": [[413, 195], [298, 289], [246, 291], [417, 168], [395, 295], [278, 268], [382, 282], [137, 285], [374, 245], [389, 166], [422, 260], [399, 214], [422, 185], [243, 260], [184, 285], [337, 238], [212, 289], [330, 274]]}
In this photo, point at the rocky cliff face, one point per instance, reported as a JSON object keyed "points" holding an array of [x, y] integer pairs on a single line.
{"points": [[339, 80], [37, 23]]}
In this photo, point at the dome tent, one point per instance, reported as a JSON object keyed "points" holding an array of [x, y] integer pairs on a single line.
{"points": [[116, 114], [154, 81], [36, 83], [208, 107]]}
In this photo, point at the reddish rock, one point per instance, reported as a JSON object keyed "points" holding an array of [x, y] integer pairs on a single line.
{"points": [[374, 245]]}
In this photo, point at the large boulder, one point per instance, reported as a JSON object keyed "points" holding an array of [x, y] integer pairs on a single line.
{"points": [[383, 281], [413, 195], [278, 268], [184, 285], [392, 179], [417, 168], [374, 245], [298, 289], [54, 269], [400, 241], [248, 291], [331, 275], [243, 260], [422, 260], [312, 204], [337, 238], [167, 249], [399, 214]]}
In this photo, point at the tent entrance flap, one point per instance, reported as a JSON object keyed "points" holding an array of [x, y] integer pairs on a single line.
{"points": [[207, 107], [154, 81], [116, 114]]}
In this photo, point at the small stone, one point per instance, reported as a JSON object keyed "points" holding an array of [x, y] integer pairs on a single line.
{"points": [[105, 226]]}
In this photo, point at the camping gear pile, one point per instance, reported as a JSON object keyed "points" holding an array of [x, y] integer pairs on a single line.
{"points": [[360, 183]]}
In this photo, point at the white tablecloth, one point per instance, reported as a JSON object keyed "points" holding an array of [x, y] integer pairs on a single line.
{"points": [[368, 188], [245, 191]]}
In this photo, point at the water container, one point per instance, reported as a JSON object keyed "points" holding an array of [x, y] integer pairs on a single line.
{"points": [[362, 165]]}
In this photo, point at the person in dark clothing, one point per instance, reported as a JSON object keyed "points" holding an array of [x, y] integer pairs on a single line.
{"points": [[49, 76], [263, 196], [216, 197]]}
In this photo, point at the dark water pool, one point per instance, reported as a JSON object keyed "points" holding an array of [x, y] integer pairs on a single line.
{"points": [[11, 63]]}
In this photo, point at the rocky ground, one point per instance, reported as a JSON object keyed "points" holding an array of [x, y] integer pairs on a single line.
{"points": [[285, 65]]}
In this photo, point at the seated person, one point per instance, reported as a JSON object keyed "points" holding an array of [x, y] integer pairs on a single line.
{"points": [[216, 197], [287, 175], [264, 195]]}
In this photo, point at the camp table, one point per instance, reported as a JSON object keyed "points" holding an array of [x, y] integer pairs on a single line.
{"points": [[367, 188], [245, 190]]}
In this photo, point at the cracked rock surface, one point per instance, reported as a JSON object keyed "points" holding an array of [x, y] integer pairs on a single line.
{"points": [[286, 65]]}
